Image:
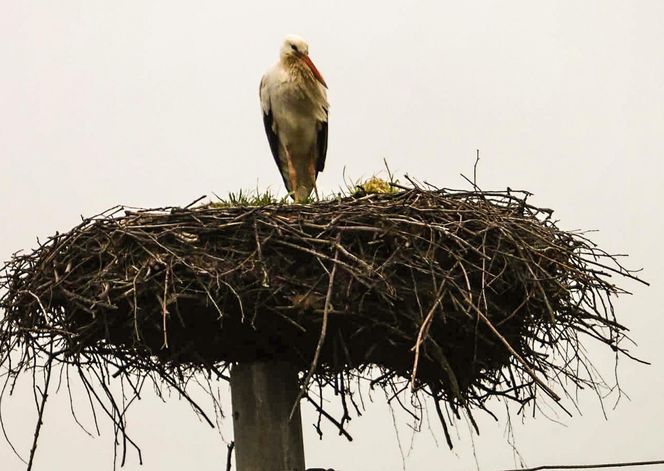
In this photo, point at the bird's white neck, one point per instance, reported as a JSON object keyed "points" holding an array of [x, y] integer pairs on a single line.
{"points": [[297, 69]]}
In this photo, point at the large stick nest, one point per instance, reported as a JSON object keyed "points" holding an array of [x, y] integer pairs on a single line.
{"points": [[465, 295]]}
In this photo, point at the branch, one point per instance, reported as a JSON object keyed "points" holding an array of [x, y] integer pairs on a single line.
{"points": [[40, 418]]}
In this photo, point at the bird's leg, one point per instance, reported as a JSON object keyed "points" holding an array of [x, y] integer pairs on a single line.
{"points": [[312, 176], [292, 176]]}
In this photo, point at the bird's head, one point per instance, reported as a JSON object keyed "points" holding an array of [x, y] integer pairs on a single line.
{"points": [[296, 48]]}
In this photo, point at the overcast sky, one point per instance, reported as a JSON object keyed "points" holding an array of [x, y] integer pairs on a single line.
{"points": [[153, 103]]}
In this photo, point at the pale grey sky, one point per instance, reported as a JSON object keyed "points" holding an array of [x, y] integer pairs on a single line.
{"points": [[150, 103]]}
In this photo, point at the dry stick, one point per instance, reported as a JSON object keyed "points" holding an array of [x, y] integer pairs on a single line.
{"points": [[42, 405], [523, 362], [420, 335], [323, 331], [229, 454], [315, 254], [2, 422], [590, 466], [117, 423], [266, 278], [194, 202], [441, 417], [325, 414], [135, 294], [504, 341], [180, 389], [164, 311]]}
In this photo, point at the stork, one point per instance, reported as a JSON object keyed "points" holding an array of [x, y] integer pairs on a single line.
{"points": [[294, 103]]}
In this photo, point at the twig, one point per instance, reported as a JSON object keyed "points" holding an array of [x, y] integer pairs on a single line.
{"points": [[40, 416], [320, 410], [323, 332], [422, 332], [523, 362], [194, 202], [229, 454], [164, 312]]}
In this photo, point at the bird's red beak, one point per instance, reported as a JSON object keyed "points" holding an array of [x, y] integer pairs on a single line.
{"points": [[313, 69]]}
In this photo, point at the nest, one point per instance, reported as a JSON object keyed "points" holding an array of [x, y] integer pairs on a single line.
{"points": [[462, 295]]}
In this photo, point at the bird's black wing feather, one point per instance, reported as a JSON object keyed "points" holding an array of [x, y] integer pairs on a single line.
{"points": [[321, 143], [274, 146]]}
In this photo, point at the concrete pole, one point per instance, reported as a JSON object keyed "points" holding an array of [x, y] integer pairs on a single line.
{"points": [[263, 394]]}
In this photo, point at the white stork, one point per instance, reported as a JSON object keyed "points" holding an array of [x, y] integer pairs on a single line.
{"points": [[294, 102]]}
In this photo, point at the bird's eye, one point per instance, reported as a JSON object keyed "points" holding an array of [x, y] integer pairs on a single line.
{"points": [[293, 47]]}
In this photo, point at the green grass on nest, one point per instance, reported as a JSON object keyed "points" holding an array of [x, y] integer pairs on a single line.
{"points": [[371, 186]]}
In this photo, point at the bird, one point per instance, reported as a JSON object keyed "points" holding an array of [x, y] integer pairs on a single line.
{"points": [[293, 98]]}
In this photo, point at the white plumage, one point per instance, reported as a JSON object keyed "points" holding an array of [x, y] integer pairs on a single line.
{"points": [[294, 103]]}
